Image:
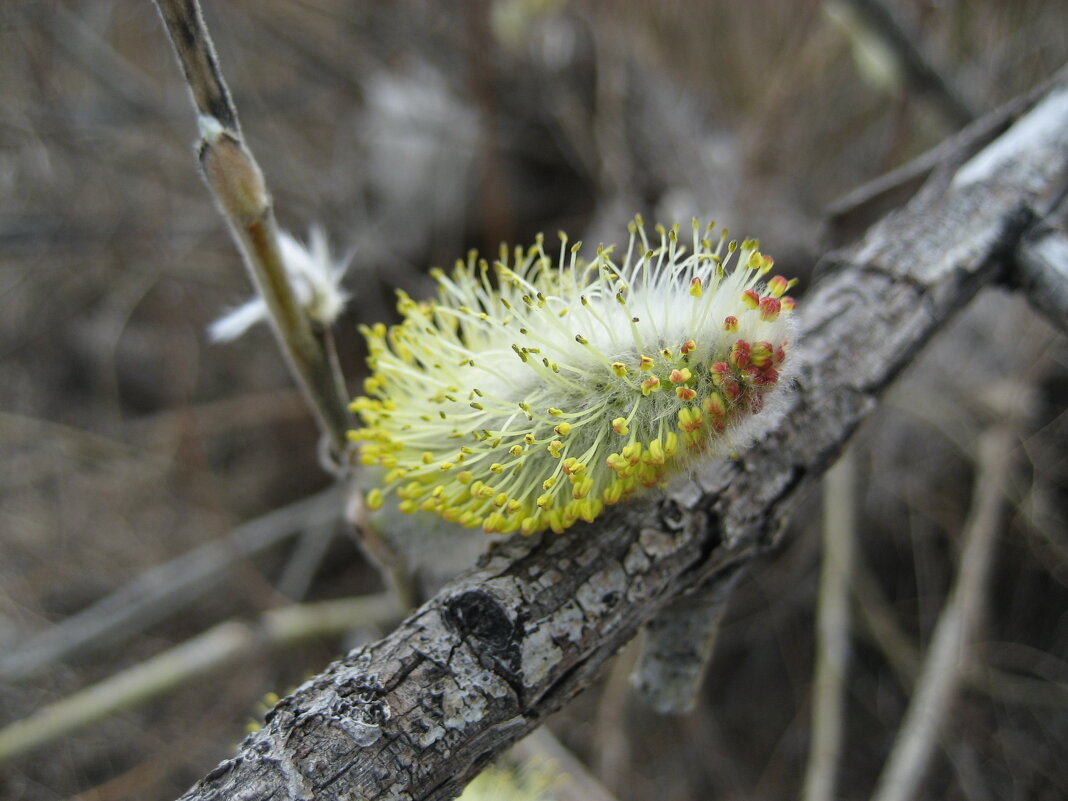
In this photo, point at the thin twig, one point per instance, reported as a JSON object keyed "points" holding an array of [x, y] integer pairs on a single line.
{"points": [[953, 641], [222, 645], [305, 561], [391, 561], [833, 631], [237, 183], [239, 188]]}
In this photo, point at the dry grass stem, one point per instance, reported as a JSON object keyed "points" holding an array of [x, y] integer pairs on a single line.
{"points": [[952, 646], [833, 631], [166, 588], [224, 644]]}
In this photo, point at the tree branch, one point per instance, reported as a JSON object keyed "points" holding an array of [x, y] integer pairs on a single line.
{"points": [[1042, 272], [418, 713]]}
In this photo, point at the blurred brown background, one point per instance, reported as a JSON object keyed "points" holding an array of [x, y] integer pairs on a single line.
{"points": [[413, 131]]}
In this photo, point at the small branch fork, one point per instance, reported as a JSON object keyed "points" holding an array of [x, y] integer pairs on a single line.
{"points": [[237, 183], [418, 713]]}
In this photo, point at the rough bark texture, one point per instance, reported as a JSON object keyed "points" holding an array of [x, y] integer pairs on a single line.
{"points": [[417, 714]]}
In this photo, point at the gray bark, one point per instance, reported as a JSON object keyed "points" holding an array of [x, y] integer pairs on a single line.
{"points": [[418, 713], [678, 647], [1042, 273]]}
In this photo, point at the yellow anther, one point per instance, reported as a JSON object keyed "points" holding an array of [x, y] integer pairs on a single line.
{"points": [[619, 369], [375, 499], [619, 425], [581, 488], [614, 492], [563, 429], [573, 466], [645, 364], [689, 419], [633, 453]]}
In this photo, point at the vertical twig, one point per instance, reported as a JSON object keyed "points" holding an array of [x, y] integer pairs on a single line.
{"points": [[948, 657], [237, 183], [391, 561], [832, 631]]}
